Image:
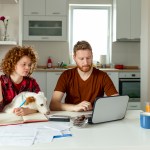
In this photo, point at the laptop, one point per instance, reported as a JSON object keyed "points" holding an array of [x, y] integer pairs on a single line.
{"points": [[108, 109]]}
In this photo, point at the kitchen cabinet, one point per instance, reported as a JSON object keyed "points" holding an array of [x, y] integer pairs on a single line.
{"points": [[41, 78], [126, 20], [33, 7], [52, 78], [45, 28], [45, 22], [45, 7], [115, 78], [57, 7]]}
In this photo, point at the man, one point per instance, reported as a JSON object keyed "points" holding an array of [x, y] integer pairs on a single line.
{"points": [[81, 84]]}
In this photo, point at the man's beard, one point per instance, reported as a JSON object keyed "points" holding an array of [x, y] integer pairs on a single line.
{"points": [[86, 68]]}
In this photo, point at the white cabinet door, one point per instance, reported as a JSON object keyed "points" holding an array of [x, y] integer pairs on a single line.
{"points": [[115, 78], [135, 19], [123, 19], [52, 78], [34, 7], [45, 28], [45, 20], [41, 79], [56, 7], [126, 19]]}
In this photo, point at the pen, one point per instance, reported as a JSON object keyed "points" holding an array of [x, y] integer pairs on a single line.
{"points": [[64, 135], [22, 102]]}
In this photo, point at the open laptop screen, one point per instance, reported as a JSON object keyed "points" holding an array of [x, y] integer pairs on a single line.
{"points": [[109, 109]]}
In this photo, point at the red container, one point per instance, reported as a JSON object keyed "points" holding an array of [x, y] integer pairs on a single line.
{"points": [[49, 63], [119, 66]]}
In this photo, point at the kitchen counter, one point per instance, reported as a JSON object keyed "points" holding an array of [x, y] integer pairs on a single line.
{"points": [[125, 134], [103, 69]]}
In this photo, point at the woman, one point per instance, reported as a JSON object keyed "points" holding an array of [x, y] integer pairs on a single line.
{"points": [[17, 66]]}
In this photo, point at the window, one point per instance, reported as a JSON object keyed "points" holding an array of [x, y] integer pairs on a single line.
{"points": [[93, 24]]}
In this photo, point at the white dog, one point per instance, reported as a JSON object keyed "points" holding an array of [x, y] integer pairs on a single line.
{"points": [[33, 101]]}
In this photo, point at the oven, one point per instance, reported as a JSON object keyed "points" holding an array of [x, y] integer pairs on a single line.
{"points": [[129, 84]]}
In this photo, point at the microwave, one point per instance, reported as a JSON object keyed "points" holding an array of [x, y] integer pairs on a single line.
{"points": [[45, 28]]}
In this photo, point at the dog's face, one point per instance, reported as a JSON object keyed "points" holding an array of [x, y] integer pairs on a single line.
{"points": [[40, 101]]}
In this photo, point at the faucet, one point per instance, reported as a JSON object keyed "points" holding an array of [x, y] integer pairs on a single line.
{"points": [[60, 65]]}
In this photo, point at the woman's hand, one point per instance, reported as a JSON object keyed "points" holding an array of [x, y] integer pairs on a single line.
{"points": [[20, 111]]}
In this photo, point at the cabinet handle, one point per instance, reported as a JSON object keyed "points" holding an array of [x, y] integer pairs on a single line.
{"points": [[56, 13], [44, 37], [34, 13], [129, 80], [58, 73]]}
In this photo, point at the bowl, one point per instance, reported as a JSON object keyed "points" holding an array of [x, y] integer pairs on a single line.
{"points": [[119, 66], [79, 121]]}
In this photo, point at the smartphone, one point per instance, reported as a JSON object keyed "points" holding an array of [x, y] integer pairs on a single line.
{"points": [[61, 118]]}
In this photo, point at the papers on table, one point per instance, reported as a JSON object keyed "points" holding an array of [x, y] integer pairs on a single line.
{"points": [[44, 136], [17, 135], [33, 133], [58, 126], [61, 130]]}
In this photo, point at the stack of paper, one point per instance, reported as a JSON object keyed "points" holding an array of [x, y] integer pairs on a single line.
{"points": [[33, 133], [17, 135]]}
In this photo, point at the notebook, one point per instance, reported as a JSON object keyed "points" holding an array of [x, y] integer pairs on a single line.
{"points": [[12, 119], [109, 109]]}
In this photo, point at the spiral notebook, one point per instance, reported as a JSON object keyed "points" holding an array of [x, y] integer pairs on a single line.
{"points": [[109, 109]]}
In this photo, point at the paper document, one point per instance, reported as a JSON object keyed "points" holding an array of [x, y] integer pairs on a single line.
{"points": [[17, 135], [58, 126], [44, 136], [60, 129], [33, 133]]}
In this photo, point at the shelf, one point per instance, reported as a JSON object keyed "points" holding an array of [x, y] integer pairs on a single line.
{"points": [[45, 27], [8, 1], [8, 43]]}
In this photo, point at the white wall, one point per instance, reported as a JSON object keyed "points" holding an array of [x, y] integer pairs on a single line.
{"points": [[11, 10], [145, 52], [127, 53], [57, 50]]}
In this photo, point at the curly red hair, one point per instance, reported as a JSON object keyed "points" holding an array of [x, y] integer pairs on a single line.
{"points": [[14, 55]]}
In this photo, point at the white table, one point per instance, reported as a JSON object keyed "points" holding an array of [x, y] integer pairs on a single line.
{"points": [[125, 134]]}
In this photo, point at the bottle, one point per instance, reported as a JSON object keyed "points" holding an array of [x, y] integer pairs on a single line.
{"points": [[49, 62], [147, 107]]}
